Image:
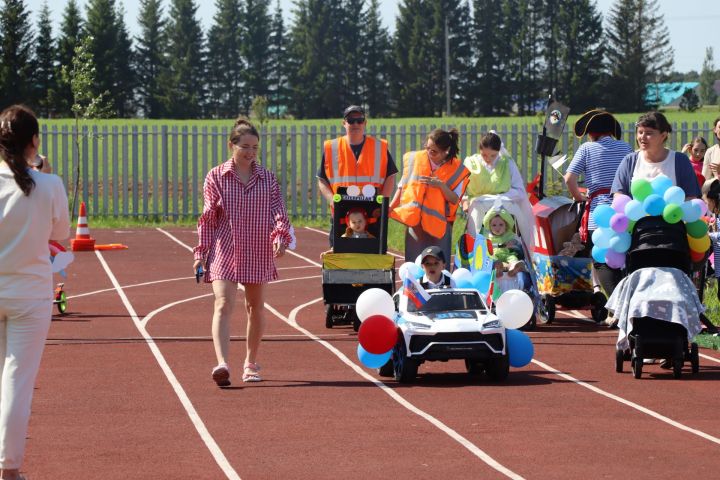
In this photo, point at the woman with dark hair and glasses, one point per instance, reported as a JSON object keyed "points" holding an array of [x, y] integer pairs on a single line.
{"points": [[428, 195], [34, 210], [243, 228]]}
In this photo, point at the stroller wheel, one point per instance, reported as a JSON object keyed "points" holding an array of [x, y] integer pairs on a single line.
{"points": [[329, 316], [694, 358], [549, 303], [599, 314], [637, 366], [355, 320], [619, 359], [61, 302], [677, 367]]}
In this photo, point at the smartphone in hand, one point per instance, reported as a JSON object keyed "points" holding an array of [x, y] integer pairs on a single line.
{"points": [[199, 273]]}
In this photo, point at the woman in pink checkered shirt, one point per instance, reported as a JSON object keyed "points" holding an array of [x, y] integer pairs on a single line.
{"points": [[243, 228]]}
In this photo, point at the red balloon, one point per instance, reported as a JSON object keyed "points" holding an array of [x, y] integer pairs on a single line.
{"points": [[377, 334], [697, 256]]}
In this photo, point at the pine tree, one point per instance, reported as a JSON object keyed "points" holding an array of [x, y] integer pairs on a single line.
{"points": [[490, 93], [256, 23], [150, 61], [184, 85], [224, 68], [707, 79], [125, 79], [277, 68], [101, 27], [374, 75], [71, 30], [523, 73], [15, 54], [638, 52], [45, 67]]}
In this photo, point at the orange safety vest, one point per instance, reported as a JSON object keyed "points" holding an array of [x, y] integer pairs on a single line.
{"points": [[343, 170], [423, 205]]}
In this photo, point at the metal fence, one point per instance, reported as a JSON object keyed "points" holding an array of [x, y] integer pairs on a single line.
{"points": [[158, 172]]}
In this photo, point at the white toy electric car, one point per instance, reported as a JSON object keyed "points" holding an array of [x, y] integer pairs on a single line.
{"points": [[454, 324]]}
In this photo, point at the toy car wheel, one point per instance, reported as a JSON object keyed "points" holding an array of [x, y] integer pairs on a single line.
{"points": [[473, 367], [498, 369], [619, 359], [677, 367], [61, 302], [637, 366], [599, 314], [387, 370], [355, 319], [694, 358], [404, 368], [329, 316], [549, 303]]}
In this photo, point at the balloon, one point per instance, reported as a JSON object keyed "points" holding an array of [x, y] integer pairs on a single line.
{"points": [[514, 308], [368, 191], [614, 259], [598, 254], [377, 334], [464, 283], [701, 204], [634, 210], [672, 213], [461, 273], [691, 212], [620, 242], [701, 244], [640, 189], [601, 237], [660, 184], [602, 215], [619, 222], [372, 360], [654, 204], [674, 195], [519, 347], [481, 281], [353, 191], [697, 257], [697, 229], [620, 200], [631, 226], [374, 301]]}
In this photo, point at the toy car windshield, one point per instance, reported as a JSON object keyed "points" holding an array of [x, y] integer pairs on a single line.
{"points": [[444, 301]]}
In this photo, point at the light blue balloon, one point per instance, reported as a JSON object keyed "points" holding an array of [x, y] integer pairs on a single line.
{"points": [[481, 281], [602, 215], [654, 204], [691, 212], [674, 196], [660, 184], [464, 283], [372, 360], [601, 237], [634, 210], [598, 254], [519, 347], [620, 242]]}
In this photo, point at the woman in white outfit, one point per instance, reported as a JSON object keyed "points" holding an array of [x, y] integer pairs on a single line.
{"points": [[33, 210]]}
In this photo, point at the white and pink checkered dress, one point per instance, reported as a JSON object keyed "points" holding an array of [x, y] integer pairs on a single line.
{"points": [[239, 225]]}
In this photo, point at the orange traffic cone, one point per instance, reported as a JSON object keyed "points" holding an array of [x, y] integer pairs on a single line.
{"points": [[82, 242]]}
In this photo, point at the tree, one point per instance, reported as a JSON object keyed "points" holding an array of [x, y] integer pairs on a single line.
{"points": [[374, 74], [15, 53], [689, 102], [45, 84], [123, 72], [524, 31], [638, 53], [224, 68], [150, 61], [71, 30], [277, 81], [490, 95], [707, 79], [101, 27], [255, 49]]}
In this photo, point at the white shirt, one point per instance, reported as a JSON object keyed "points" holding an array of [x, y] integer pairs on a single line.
{"points": [[649, 170], [27, 223]]}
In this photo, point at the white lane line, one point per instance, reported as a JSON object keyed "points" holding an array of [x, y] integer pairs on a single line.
{"points": [[474, 449], [325, 233], [144, 284], [708, 357], [197, 422], [630, 404]]}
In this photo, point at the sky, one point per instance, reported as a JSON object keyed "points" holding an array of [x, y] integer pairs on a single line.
{"points": [[694, 24]]}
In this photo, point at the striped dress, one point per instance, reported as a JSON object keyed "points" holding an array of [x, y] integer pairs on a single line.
{"points": [[597, 162], [239, 224]]}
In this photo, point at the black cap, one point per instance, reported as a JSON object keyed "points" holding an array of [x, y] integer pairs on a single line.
{"points": [[711, 188], [432, 251], [353, 108], [598, 121]]}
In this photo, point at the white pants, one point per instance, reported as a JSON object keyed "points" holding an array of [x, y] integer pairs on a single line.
{"points": [[24, 326]]}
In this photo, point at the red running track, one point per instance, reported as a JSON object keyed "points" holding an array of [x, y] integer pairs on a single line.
{"points": [[125, 391]]}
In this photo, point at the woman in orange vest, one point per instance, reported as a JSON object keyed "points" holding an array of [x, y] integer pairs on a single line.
{"points": [[427, 198]]}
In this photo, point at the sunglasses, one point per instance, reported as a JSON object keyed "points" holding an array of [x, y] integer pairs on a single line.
{"points": [[355, 121]]}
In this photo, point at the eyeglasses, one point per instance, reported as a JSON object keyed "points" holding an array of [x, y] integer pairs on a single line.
{"points": [[355, 121]]}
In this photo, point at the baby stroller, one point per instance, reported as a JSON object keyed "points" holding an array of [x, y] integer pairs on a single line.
{"points": [[657, 304], [563, 280], [356, 264]]}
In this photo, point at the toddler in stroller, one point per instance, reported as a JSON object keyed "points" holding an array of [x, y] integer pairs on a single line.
{"points": [[656, 305], [507, 250]]}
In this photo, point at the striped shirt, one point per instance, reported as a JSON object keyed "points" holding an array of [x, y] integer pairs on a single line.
{"points": [[239, 224], [597, 162]]}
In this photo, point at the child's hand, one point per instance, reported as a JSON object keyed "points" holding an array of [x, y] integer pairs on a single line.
{"points": [[278, 249], [498, 269]]}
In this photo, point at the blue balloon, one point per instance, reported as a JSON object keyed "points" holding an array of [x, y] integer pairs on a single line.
{"points": [[654, 204], [481, 281], [601, 237], [691, 212], [634, 210], [674, 195], [602, 215], [620, 242], [660, 184], [519, 347], [372, 360], [598, 254], [464, 283]]}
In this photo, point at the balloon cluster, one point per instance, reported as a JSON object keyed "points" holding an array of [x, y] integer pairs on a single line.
{"points": [[378, 333], [659, 197]]}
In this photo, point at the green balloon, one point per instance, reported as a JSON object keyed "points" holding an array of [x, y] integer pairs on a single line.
{"points": [[672, 213], [640, 189], [631, 226], [697, 229]]}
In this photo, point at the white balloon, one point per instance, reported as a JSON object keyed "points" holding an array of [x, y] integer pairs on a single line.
{"points": [[418, 260], [353, 190], [514, 308], [374, 301], [461, 273], [368, 191], [405, 270]]}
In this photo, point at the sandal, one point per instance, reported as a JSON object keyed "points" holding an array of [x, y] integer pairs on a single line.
{"points": [[221, 375], [252, 373]]}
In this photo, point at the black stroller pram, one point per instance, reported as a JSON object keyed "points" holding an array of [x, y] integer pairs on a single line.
{"points": [[656, 243]]}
